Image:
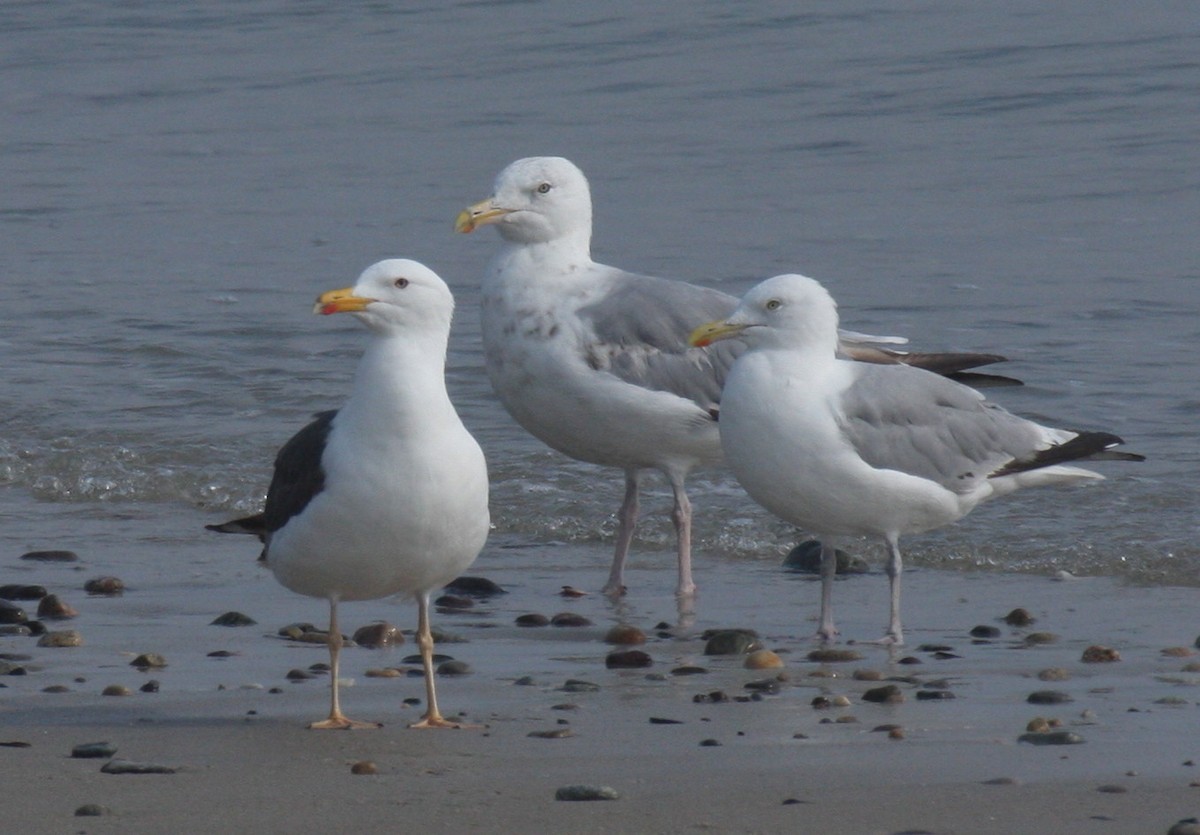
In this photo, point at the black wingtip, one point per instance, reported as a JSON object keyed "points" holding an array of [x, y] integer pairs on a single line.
{"points": [[1094, 446]]}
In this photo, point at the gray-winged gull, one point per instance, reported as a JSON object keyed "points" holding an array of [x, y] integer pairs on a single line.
{"points": [[594, 361], [389, 494], [847, 448]]}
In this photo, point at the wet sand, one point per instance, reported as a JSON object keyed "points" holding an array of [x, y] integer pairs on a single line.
{"points": [[245, 761]]}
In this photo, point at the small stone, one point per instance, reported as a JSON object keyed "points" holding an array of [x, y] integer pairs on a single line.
{"points": [[867, 675], [770, 686], [935, 695], [1111, 788], [474, 587], [364, 767], [689, 670], [579, 792], [1178, 652], [575, 685], [572, 592], [1019, 617], [151, 686], [895, 733], [657, 720], [116, 690], [129, 767], [532, 619], [1172, 701], [834, 656], [1054, 674], [453, 603], [377, 635], [762, 659], [625, 635], [1186, 826], [22, 592], [710, 743], [92, 810], [149, 661], [1048, 697], [56, 688], [453, 668], [569, 619], [806, 558], [1000, 781], [233, 619], [731, 642], [1097, 654], [555, 733], [293, 631], [887, 694], [50, 556], [298, 675], [1040, 638], [221, 653], [384, 672], [1037, 725], [93, 750], [628, 659], [840, 701], [1051, 738], [436, 658], [108, 586], [985, 631], [65, 638], [12, 613], [714, 697]]}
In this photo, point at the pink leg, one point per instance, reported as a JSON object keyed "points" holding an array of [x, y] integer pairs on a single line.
{"points": [[627, 518]]}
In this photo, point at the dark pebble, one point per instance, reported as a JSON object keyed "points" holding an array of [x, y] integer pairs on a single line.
{"points": [[833, 656], [1111, 788], [569, 619], [628, 659], [526, 681], [658, 720], [294, 631], [1186, 826], [53, 607], [806, 558], [12, 743], [151, 686], [689, 670], [35, 627], [935, 648], [17, 592], [109, 586], [12, 613], [555, 733], [93, 750], [985, 631], [714, 697], [1040, 638], [532, 619], [454, 602], [572, 592], [586, 793], [474, 587], [453, 668], [1048, 697], [730, 641], [1019, 617], [129, 767], [221, 653], [8, 668], [792, 801], [65, 638], [910, 659], [50, 556], [574, 685], [56, 688], [298, 675], [233, 619], [149, 661], [364, 767], [934, 695], [710, 743], [438, 658], [625, 635], [887, 694], [92, 810], [769, 686], [377, 635], [1051, 738], [1100, 655]]}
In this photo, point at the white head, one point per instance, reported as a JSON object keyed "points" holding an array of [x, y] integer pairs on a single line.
{"points": [[392, 296], [536, 200], [787, 311]]}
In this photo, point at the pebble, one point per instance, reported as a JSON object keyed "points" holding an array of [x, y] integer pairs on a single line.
{"points": [[806, 557], [20, 592], [580, 792], [50, 556], [1001, 781], [730, 641], [1051, 738], [935, 695], [56, 688], [895, 733], [12, 613], [770, 686], [453, 668], [293, 631], [233, 619], [1037, 725], [130, 767], [1111, 788], [1097, 654], [658, 720], [93, 750], [1019, 617], [53, 607], [985, 631], [532, 619], [7, 668], [364, 767], [151, 686], [383, 672], [92, 810], [1054, 674], [1178, 652], [710, 743], [1186, 826], [887, 694], [572, 592], [1048, 697], [65, 638], [298, 675], [628, 659], [834, 656], [574, 685], [474, 587], [555, 733], [149, 661], [1039, 638], [714, 697], [450, 603], [1191, 667], [377, 635], [867, 675], [569, 619], [109, 586], [116, 690], [437, 658], [689, 670], [625, 635], [763, 659]]}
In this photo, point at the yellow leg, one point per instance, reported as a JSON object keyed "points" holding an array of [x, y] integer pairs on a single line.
{"points": [[433, 717], [337, 720]]}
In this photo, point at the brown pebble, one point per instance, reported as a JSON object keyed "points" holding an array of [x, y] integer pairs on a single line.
{"points": [[1038, 638], [104, 585], [625, 635], [149, 661], [1170, 652], [1191, 667], [628, 659], [1019, 617], [1054, 674], [572, 592], [763, 659], [887, 694], [376, 635], [1037, 725], [569, 619], [53, 607], [833, 656], [896, 733], [116, 690], [556, 733], [65, 638], [364, 767], [532, 619], [385, 672], [1097, 654], [868, 675]]}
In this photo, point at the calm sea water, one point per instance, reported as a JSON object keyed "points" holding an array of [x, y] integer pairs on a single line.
{"points": [[179, 182]]}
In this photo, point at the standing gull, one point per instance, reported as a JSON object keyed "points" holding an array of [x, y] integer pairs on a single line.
{"points": [[594, 361], [389, 494], [845, 448]]}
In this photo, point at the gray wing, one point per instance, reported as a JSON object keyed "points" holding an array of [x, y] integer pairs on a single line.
{"points": [[914, 421], [641, 328]]}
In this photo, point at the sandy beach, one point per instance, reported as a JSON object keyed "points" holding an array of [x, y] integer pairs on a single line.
{"points": [[232, 726]]}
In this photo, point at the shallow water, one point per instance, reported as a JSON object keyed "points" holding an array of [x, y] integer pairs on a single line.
{"points": [[180, 183]]}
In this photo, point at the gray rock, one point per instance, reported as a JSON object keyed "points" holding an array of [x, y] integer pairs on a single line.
{"points": [[93, 750], [50, 556], [65, 638], [731, 642], [806, 557], [628, 659], [1048, 697], [130, 767], [580, 792], [149, 661], [92, 810], [108, 586], [22, 592], [574, 685], [12, 613], [474, 587], [233, 619], [1051, 738]]}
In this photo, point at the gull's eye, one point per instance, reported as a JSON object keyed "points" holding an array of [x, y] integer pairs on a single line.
{"points": [[544, 188], [774, 304], [401, 283]]}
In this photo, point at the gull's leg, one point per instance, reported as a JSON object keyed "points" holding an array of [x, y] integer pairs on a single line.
{"points": [[433, 717], [895, 566], [827, 631], [337, 720], [681, 515], [627, 518]]}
